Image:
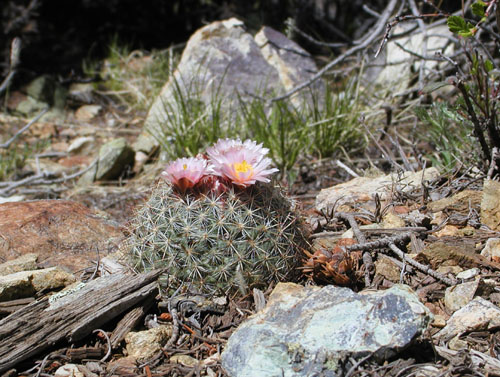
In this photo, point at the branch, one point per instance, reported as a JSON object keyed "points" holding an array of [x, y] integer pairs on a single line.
{"points": [[367, 39], [13, 138], [15, 51]]}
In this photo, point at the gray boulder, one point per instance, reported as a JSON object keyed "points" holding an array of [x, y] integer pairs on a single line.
{"points": [[304, 331], [222, 64]]}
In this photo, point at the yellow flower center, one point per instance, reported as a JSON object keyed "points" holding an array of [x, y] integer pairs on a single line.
{"points": [[185, 166], [242, 167]]}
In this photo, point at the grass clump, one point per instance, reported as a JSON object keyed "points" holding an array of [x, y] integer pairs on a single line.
{"points": [[449, 135], [134, 77]]}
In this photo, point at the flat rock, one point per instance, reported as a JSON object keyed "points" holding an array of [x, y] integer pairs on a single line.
{"points": [[26, 283], [477, 315], [305, 330], [23, 263], [363, 189], [460, 202], [490, 204], [60, 232]]}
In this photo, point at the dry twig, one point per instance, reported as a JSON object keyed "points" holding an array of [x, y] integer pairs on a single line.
{"points": [[367, 39]]}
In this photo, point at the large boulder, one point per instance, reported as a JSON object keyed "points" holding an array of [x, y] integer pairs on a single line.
{"points": [[224, 63], [61, 232], [307, 330]]}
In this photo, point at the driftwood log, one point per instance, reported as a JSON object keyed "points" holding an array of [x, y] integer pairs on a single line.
{"points": [[71, 317]]}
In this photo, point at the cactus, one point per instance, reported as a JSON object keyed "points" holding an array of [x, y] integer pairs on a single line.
{"points": [[240, 239]]}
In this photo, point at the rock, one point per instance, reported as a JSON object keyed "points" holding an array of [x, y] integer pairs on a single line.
{"points": [[439, 254], [492, 249], [25, 283], [468, 274], [388, 269], [30, 106], [42, 89], [23, 263], [490, 204], [60, 232], [303, 330], [477, 315], [114, 157], [11, 199], [81, 144], [399, 66], [185, 360], [124, 366], [47, 90], [293, 64], [363, 189], [86, 113], [144, 345], [456, 297], [68, 370], [223, 63], [83, 92], [458, 202]]}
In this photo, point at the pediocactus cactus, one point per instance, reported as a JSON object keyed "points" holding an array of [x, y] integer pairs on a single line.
{"points": [[214, 228]]}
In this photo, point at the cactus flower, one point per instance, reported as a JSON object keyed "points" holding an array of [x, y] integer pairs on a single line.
{"points": [[184, 173], [243, 163]]}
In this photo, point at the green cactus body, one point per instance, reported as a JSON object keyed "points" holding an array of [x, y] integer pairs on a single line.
{"points": [[242, 238]]}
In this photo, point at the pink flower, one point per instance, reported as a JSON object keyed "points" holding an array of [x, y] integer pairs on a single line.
{"points": [[184, 173], [243, 163]]}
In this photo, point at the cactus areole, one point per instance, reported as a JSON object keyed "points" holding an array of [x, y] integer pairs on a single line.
{"points": [[216, 225]]}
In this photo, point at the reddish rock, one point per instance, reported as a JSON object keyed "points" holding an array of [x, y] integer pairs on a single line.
{"points": [[62, 233]]}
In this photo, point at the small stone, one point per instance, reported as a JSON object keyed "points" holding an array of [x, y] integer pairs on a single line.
{"points": [[26, 283], [492, 249], [458, 296], [68, 370], [81, 143], [391, 220], [439, 321], [388, 269], [82, 92], [445, 270], [477, 315], [185, 360], [143, 345], [86, 113], [490, 204], [42, 89], [23, 263], [460, 202], [114, 157], [468, 274], [457, 344]]}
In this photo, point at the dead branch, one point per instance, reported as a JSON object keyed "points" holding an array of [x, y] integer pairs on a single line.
{"points": [[363, 43], [367, 258], [15, 51], [42, 178], [426, 269], [16, 135]]}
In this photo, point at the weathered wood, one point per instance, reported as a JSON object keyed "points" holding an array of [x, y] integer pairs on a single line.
{"points": [[128, 322], [78, 354], [8, 307], [42, 324]]}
